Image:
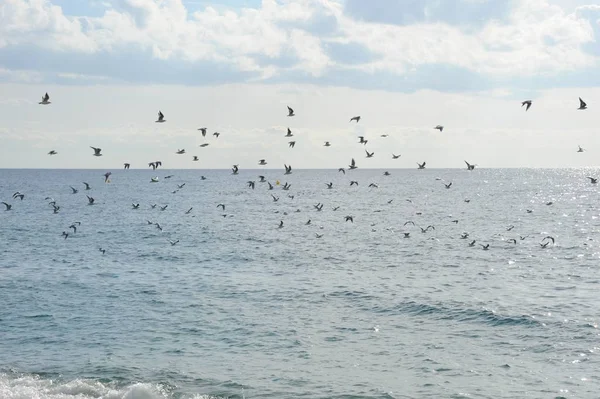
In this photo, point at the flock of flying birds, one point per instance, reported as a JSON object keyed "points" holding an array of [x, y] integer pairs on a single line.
{"points": [[288, 170]]}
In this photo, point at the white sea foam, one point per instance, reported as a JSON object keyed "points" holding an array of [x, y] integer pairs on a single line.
{"points": [[34, 387]]}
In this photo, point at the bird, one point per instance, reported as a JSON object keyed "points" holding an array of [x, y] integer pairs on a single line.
{"points": [[289, 133], [158, 226], [472, 243], [422, 165], [395, 156], [275, 199], [352, 164], [87, 186], [195, 158], [327, 144], [74, 226], [189, 210], [545, 243], [90, 200], [353, 183], [216, 134], [234, 170], [370, 154], [361, 140], [291, 144], [161, 118], [318, 235], [329, 185], [526, 102], [204, 145], [102, 250], [509, 228], [386, 173], [349, 218], [18, 195], [290, 111], [593, 180], [135, 206], [154, 165], [180, 186], [222, 206], [106, 176], [8, 206], [180, 152], [286, 186], [355, 118], [154, 179], [582, 104], [464, 236], [262, 179], [75, 191], [281, 224], [262, 162], [512, 240], [373, 185], [406, 235], [470, 166], [96, 151], [425, 230], [173, 242], [52, 152], [45, 99], [65, 234], [485, 247], [126, 166], [251, 184], [448, 185], [163, 208], [440, 128], [203, 131], [580, 149], [384, 135], [270, 186], [342, 170], [288, 169]]}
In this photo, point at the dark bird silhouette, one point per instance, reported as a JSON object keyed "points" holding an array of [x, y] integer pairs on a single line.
{"points": [[470, 166], [52, 152], [370, 154], [291, 144], [96, 151], [349, 219], [526, 102], [8, 206], [289, 133], [355, 118], [203, 131], [422, 165], [395, 156], [126, 166], [582, 104], [45, 99], [290, 111], [161, 118], [352, 164]]}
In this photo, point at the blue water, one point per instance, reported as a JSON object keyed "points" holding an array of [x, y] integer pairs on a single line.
{"points": [[242, 308]]}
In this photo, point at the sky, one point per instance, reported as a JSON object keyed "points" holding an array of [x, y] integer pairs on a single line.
{"points": [[234, 66]]}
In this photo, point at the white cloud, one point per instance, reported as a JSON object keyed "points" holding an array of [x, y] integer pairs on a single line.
{"points": [[537, 38]]}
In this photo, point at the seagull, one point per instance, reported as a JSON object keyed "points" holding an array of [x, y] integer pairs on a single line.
{"points": [[386, 173], [52, 152], [329, 185], [135, 206], [281, 224], [406, 235], [464, 235], [373, 185], [65, 234], [161, 118], [289, 133], [353, 182], [126, 166], [203, 145], [361, 140], [18, 195], [439, 127], [290, 111], [189, 210], [173, 242], [291, 144], [195, 158], [470, 166], [286, 186], [485, 247], [102, 250], [593, 180], [203, 130], [72, 226], [182, 151], [421, 166], [8, 206], [472, 243], [395, 156], [580, 149], [270, 186], [582, 104], [545, 243], [288, 169], [409, 222], [318, 235], [75, 191], [180, 186], [158, 226], [45, 99], [370, 155], [512, 240], [448, 185], [87, 186], [154, 179], [163, 208], [216, 134], [262, 179], [356, 118], [342, 170], [90, 200], [262, 162], [222, 206], [251, 184], [349, 219], [106, 176], [352, 164], [425, 230], [275, 199], [528, 103], [235, 170], [96, 151], [318, 207], [384, 135], [327, 144]]}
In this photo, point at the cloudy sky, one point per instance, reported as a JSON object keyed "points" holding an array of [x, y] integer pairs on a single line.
{"points": [[233, 66]]}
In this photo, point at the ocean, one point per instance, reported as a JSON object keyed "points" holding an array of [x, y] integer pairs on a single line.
{"points": [[241, 308]]}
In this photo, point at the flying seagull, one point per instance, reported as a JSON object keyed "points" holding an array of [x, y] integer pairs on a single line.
{"points": [[203, 130], [126, 166], [352, 164], [45, 99], [291, 144], [582, 104], [161, 118], [52, 152], [593, 180], [356, 118], [289, 133], [288, 169], [262, 162], [470, 166], [180, 152], [96, 151], [327, 144], [195, 158], [370, 154], [87, 186], [234, 170], [421, 165], [290, 111], [580, 149], [8, 206], [440, 128], [106, 176], [395, 156], [528, 103]]}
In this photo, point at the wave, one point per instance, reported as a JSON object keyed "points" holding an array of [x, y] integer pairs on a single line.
{"points": [[460, 314], [27, 386]]}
